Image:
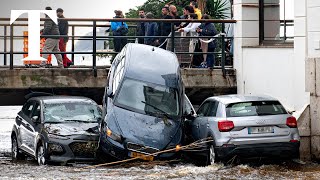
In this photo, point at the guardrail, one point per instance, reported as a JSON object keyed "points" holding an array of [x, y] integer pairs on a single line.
{"points": [[10, 35]]}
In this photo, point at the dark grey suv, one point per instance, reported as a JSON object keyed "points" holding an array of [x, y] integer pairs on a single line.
{"points": [[56, 128]]}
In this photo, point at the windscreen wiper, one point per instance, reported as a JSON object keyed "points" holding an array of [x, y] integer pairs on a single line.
{"points": [[73, 120], [163, 112]]}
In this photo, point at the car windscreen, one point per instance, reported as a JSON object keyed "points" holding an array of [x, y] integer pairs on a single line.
{"points": [[148, 98], [71, 112], [255, 108]]}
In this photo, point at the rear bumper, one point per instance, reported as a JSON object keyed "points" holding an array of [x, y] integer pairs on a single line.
{"points": [[279, 150]]}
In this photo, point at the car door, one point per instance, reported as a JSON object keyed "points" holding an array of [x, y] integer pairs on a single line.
{"points": [[24, 118], [210, 114], [34, 126], [188, 111], [197, 121]]}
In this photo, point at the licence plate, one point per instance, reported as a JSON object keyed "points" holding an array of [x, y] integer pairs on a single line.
{"points": [[260, 130], [141, 156]]}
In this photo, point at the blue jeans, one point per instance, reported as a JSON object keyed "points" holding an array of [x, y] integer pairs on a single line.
{"points": [[210, 58]]}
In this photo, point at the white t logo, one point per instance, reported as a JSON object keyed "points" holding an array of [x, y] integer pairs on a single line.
{"points": [[33, 30]]}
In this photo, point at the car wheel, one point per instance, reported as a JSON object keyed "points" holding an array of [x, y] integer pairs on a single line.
{"points": [[41, 155], [15, 152], [212, 156]]}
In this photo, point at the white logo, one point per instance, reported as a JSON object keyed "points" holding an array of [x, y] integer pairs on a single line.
{"points": [[33, 30]]}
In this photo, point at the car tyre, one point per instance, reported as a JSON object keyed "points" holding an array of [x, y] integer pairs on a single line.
{"points": [[15, 151], [212, 156], [41, 155]]}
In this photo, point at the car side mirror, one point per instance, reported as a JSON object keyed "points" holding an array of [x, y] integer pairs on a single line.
{"points": [[109, 93], [191, 116], [35, 119]]}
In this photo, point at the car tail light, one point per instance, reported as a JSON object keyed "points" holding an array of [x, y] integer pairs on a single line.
{"points": [[225, 126], [291, 122], [294, 140]]}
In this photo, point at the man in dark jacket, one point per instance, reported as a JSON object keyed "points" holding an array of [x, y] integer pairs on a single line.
{"points": [[208, 29], [141, 27], [164, 27], [52, 43], [63, 29], [151, 30]]}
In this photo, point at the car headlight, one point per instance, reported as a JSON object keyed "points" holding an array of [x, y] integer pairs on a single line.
{"points": [[113, 135], [54, 136], [52, 147]]}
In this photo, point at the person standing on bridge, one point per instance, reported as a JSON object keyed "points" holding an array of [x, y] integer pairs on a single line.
{"points": [[63, 29], [119, 29], [52, 43], [141, 27]]}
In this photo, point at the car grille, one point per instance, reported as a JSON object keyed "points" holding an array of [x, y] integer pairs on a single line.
{"points": [[84, 149], [141, 148]]}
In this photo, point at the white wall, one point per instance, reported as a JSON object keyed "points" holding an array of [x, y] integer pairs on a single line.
{"points": [[269, 71]]}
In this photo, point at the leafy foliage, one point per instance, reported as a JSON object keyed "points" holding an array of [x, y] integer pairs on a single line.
{"points": [[218, 9]]}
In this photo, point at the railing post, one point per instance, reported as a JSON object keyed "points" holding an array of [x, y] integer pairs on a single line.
{"points": [[72, 46], [223, 54], [5, 45], [172, 37], [94, 57], [261, 21], [11, 46]]}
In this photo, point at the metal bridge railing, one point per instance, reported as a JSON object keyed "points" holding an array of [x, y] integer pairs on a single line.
{"points": [[10, 35]]}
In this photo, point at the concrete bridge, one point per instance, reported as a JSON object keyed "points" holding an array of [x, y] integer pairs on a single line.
{"points": [[17, 82]]}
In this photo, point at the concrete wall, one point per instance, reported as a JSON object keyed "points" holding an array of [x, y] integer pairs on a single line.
{"points": [[312, 25], [277, 70], [269, 71]]}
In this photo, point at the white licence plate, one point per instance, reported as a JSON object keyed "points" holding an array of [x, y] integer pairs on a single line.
{"points": [[260, 130]]}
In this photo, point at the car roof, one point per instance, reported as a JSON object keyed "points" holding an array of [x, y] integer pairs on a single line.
{"points": [[58, 98], [234, 98], [152, 64]]}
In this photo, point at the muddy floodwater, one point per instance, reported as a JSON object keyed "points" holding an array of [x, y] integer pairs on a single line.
{"points": [[28, 168]]}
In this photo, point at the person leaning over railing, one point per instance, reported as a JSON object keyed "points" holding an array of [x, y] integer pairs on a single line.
{"points": [[207, 29], [191, 29], [119, 29], [186, 11]]}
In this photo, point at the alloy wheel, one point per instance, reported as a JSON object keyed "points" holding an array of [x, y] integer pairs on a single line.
{"points": [[41, 155], [14, 149], [212, 155]]}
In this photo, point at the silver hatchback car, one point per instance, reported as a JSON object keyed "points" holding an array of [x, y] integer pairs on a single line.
{"points": [[247, 126]]}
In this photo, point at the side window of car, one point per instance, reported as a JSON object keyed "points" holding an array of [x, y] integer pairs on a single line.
{"points": [[118, 73], [203, 109], [27, 108], [36, 110], [212, 112]]}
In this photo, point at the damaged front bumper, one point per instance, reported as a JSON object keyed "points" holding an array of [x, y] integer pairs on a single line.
{"points": [[74, 149]]}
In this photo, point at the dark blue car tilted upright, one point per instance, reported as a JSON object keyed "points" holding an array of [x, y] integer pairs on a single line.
{"points": [[143, 104]]}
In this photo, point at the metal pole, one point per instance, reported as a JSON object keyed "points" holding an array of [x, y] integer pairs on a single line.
{"points": [[5, 45], [223, 53], [261, 21], [94, 57], [284, 23], [172, 37], [11, 47], [72, 47]]}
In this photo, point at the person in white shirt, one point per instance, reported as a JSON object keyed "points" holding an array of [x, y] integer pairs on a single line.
{"points": [[192, 26]]}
